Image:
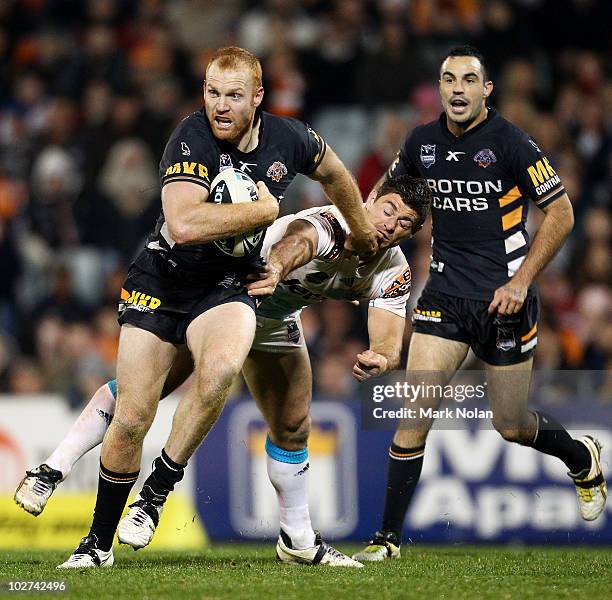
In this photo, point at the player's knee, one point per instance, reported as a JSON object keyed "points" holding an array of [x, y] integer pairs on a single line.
{"points": [[292, 434], [218, 374], [131, 423]]}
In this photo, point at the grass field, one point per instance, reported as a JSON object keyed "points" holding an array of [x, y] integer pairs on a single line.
{"points": [[250, 571]]}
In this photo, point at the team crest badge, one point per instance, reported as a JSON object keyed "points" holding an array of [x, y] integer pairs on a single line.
{"points": [[225, 162], [428, 155], [485, 157], [277, 171], [505, 333], [293, 332]]}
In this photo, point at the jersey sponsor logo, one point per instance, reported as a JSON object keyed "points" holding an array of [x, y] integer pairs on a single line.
{"points": [[459, 186], [276, 171], [456, 188], [244, 166], [185, 150], [434, 316], [428, 155], [543, 176], [453, 156], [225, 162], [187, 168], [458, 204], [400, 286], [139, 301], [485, 157]]}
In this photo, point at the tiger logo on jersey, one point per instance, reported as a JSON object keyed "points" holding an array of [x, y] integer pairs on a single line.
{"points": [[485, 157], [277, 171], [400, 286]]}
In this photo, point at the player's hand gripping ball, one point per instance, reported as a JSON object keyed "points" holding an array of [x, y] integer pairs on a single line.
{"points": [[232, 186]]}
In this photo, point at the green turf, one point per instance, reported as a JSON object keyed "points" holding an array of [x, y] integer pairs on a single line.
{"points": [[248, 571]]}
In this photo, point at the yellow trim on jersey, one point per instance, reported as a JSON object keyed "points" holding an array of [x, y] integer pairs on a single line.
{"points": [[512, 218], [509, 197]]}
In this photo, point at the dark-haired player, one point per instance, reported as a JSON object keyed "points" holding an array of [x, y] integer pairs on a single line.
{"points": [[310, 260], [480, 294], [184, 288]]}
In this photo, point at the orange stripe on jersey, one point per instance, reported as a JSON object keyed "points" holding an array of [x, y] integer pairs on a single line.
{"points": [[125, 295], [512, 218], [530, 333], [509, 197]]}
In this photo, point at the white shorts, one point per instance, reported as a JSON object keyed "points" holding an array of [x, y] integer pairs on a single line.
{"points": [[278, 335]]}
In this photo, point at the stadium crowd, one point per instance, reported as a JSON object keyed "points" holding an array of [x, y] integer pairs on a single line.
{"points": [[92, 89]]}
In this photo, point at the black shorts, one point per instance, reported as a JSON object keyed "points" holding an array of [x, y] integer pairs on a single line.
{"points": [[165, 300], [497, 340]]}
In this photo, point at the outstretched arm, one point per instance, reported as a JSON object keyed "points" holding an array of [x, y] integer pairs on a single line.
{"points": [[297, 247], [340, 187], [386, 332]]}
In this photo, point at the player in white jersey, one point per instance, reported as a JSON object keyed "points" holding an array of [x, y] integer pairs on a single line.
{"points": [[331, 273], [310, 258]]}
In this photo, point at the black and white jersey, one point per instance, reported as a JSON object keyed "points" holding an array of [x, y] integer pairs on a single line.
{"points": [[286, 147], [481, 183]]}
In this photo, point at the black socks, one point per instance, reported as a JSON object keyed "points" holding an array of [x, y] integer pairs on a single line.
{"points": [[403, 474], [552, 438], [113, 491], [166, 474]]}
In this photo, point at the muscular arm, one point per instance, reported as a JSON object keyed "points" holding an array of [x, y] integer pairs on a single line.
{"points": [[386, 332], [297, 247], [340, 187], [193, 220], [556, 226]]}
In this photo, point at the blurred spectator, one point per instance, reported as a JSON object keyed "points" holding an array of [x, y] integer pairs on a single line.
{"points": [[130, 186], [25, 377], [55, 183], [333, 381], [389, 137], [385, 75], [259, 28], [285, 85]]}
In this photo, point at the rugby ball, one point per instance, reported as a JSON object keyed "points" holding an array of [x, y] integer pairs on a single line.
{"points": [[235, 187]]}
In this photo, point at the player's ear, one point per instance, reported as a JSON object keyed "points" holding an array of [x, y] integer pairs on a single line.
{"points": [[371, 198], [258, 97], [488, 88]]}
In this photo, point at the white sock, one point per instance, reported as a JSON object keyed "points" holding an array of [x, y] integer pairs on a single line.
{"points": [[88, 430], [288, 473]]}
